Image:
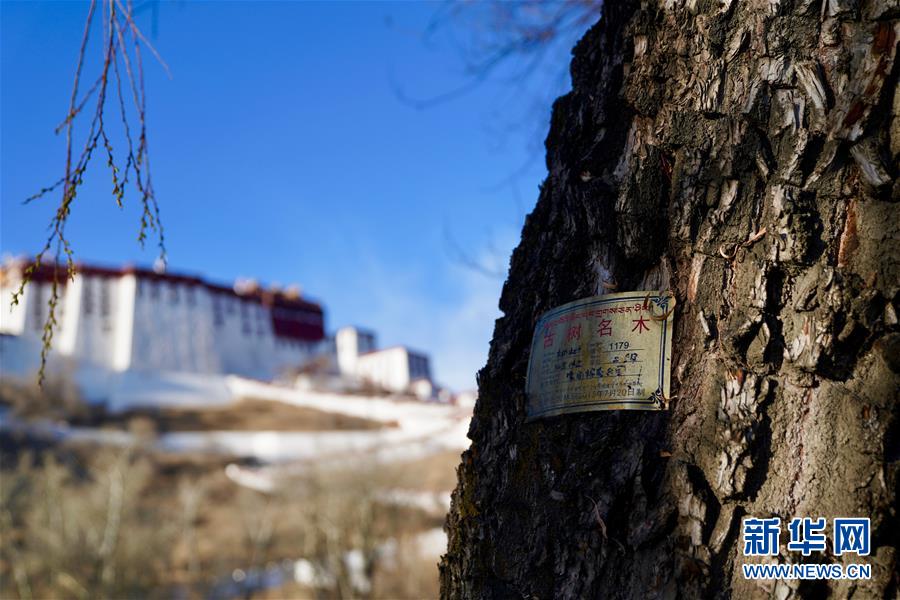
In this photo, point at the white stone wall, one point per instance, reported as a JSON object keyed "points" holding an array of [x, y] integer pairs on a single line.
{"points": [[395, 369], [387, 368], [173, 328], [350, 343], [123, 340], [96, 320], [13, 319], [196, 329], [27, 318], [131, 322], [245, 341]]}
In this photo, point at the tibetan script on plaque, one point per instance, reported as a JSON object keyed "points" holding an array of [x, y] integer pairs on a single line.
{"points": [[610, 352]]}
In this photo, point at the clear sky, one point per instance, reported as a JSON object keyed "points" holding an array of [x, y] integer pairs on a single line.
{"points": [[282, 151]]}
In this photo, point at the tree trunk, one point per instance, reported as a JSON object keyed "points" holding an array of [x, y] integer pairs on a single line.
{"points": [[742, 155]]}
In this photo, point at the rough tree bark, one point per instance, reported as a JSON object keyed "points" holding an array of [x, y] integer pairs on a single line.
{"points": [[743, 155]]}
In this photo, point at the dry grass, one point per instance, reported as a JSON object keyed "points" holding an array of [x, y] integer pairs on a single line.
{"points": [[249, 415], [180, 525], [184, 525], [59, 398]]}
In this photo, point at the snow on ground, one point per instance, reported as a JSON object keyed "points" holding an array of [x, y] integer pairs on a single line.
{"points": [[330, 448], [432, 543], [165, 389], [413, 429], [419, 429], [433, 502], [413, 413]]}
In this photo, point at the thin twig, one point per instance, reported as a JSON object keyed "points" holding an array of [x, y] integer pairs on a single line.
{"points": [[140, 36], [118, 24]]}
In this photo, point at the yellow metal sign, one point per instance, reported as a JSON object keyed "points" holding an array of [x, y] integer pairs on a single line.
{"points": [[610, 352]]}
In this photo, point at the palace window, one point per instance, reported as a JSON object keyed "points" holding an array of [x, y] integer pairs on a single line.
{"points": [[88, 300], [245, 319], [105, 306], [218, 317], [104, 299], [38, 307]]}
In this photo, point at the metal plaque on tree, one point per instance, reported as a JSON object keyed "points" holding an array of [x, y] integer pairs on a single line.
{"points": [[610, 352]]}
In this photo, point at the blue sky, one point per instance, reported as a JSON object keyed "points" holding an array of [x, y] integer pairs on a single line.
{"points": [[282, 151]]}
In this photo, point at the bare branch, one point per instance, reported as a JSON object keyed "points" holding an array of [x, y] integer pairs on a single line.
{"points": [[118, 25], [499, 33], [460, 256]]}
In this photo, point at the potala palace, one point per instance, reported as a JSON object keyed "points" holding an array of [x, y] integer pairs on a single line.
{"points": [[133, 320]]}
